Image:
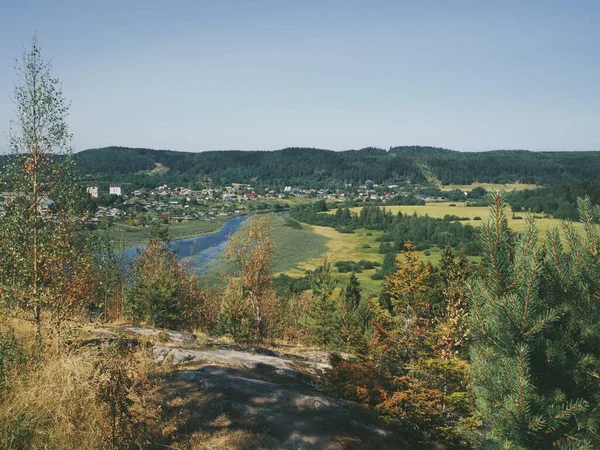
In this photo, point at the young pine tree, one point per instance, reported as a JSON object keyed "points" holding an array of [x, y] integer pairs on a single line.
{"points": [[534, 369], [163, 292], [322, 320], [354, 317]]}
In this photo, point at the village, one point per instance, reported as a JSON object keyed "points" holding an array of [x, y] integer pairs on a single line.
{"points": [[181, 204]]}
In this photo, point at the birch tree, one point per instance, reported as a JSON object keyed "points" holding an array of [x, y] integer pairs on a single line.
{"points": [[40, 257]]}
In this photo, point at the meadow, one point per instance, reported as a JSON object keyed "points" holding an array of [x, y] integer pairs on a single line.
{"points": [[360, 245], [125, 235], [476, 214]]}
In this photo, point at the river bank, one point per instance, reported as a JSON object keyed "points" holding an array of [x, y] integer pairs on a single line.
{"points": [[125, 236]]}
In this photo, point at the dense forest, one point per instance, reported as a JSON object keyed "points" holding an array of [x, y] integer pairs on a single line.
{"points": [[560, 200], [315, 167]]}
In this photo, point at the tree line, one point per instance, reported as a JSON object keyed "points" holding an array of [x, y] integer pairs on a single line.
{"points": [[309, 167], [423, 231]]}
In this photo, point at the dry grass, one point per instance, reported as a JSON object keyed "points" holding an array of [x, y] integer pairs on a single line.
{"points": [[53, 406], [50, 398]]}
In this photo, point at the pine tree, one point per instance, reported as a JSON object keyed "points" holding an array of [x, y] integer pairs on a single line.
{"points": [[528, 360], [352, 293], [354, 317], [322, 320]]}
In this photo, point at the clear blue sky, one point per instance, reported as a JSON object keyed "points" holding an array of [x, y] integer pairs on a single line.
{"points": [[199, 75]]}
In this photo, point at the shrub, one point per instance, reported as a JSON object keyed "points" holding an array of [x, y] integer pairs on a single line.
{"points": [[163, 292], [11, 354], [366, 265], [348, 266]]}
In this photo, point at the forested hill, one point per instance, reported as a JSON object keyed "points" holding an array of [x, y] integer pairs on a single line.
{"points": [[307, 166]]}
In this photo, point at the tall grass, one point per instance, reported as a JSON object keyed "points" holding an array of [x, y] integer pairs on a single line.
{"points": [[50, 398]]}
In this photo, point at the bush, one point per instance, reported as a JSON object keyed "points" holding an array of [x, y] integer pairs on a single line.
{"points": [[476, 218], [348, 266], [427, 253], [369, 234], [366, 265], [451, 217], [11, 354], [163, 293], [366, 246]]}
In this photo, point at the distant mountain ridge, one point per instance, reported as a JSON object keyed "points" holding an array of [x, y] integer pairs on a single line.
{"points": [[309, 166]]}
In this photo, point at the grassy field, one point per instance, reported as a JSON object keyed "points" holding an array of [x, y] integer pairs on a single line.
{"points": [[293, 244], [131, 236], [300, 248], [337, 247], [439, 210], [488, 186]]}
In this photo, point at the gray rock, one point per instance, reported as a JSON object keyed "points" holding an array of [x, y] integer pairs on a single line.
{"points": [[177, 337]]}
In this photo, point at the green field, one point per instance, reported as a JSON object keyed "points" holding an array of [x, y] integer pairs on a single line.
{"points": [[304, 255], [300, 248], [293, 244], [441, 209], [131, 236]]}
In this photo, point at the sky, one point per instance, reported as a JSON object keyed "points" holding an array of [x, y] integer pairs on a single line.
{"points": [[264, 75]]}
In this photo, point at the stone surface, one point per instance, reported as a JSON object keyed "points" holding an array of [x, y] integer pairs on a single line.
{"points": [[238, 358], [177, 337]]}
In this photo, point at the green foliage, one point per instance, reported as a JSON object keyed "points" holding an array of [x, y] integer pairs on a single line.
{"points": [[423, 231], [322, 321], [162, 292], [532, 361], [235, 318], [559, 200], [354, 317], [321, 168]]}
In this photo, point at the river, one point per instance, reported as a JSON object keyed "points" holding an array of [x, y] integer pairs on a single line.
{"points": [[201, 250]]}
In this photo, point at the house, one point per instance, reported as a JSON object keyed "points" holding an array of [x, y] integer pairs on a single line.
{"points": [[116, 189], [93, 191], [251, 195]]}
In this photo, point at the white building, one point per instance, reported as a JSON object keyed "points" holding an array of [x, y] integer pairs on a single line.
{"points": [[116, 189], [93, 191]]}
